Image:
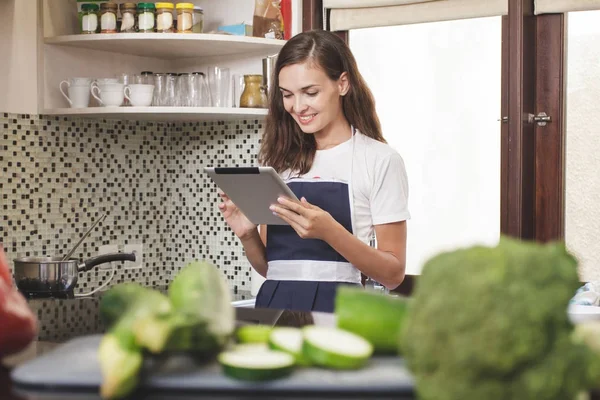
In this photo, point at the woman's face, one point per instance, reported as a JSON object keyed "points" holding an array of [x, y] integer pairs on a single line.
{"points": [[310, 97]]}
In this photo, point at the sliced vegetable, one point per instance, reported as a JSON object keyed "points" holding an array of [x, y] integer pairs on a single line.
{"points": [[289, 340], [251, 347], [119, 354], [253, 333], [335, 348], [175, 332], [375, 316], [256, 366], [120, 367]]}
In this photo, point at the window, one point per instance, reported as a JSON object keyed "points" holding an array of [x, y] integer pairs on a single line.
{"points": [[437, 88], [582, 162]]}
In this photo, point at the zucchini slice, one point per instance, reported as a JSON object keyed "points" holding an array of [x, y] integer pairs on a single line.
{"points": [[289, 340], [335, 348], [256, 365]]}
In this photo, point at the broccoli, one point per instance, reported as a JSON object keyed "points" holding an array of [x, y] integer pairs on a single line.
{"points": [[491, 323]]}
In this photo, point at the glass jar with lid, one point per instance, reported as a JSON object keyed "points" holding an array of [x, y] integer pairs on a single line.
{"points": [[185, 12], [89, 18], [198, 20], [108, 17], [164, 17], [128, 12], [145, 14]]}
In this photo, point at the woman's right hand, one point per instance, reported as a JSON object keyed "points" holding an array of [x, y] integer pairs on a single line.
{"points": [[235, 218]]}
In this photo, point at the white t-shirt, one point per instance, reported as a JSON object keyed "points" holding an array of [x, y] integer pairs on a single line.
{"points": [[379, 182]]}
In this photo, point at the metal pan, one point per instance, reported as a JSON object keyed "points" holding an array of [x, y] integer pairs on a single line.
{"points": [[51, 276]]}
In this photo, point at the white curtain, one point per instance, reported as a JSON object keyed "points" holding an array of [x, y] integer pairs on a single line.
{"points": [[561, 6], [356, 14]]}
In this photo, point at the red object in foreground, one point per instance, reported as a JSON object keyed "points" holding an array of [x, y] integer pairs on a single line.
{"points": [[286, 13], [18, 324]]}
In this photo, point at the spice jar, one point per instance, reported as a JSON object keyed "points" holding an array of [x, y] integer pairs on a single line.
{"points": [[253, 95], [198, 20], [164, 17], [185, 13], [145, 13], [128, 17], [89, 18], [108, 17]]}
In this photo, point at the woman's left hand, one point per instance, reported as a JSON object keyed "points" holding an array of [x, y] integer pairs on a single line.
{"points": [[309, 221]]}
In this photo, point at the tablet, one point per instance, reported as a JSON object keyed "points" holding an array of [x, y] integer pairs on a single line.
{"points": [[253, 190]]}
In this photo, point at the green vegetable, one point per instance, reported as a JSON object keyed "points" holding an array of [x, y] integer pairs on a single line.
{"points": [[335, 348], [251, 347], [119, 367], [374, 316], [119, 354], [117, 300], [202, 319], [174, 332], [256, 366], [491, 323], [201, 291], [289, 340], [253, 333]]}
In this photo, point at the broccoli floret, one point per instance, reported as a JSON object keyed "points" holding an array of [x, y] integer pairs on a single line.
{"points": [[491, 323]]}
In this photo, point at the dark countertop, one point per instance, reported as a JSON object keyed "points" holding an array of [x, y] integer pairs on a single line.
{"points": [[243, 315]]}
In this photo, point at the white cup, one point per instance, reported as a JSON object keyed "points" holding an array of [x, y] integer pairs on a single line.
{"points": [[109, 95], [79, 92], [139, 95]]}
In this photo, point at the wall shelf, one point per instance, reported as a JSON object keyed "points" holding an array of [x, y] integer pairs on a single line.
{"points": [[170, 45], [165, 114]]}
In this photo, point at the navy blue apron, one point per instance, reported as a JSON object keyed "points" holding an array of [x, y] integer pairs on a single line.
{"points": [[289, 256]]}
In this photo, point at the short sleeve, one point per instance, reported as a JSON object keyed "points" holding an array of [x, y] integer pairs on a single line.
{"points": [[389, 191]]}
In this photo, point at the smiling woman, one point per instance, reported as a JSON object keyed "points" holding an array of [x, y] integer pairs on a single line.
{"points": [[324, 138]]}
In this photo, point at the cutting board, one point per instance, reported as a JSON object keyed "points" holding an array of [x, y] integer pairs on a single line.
{"points": [[74, 366]]}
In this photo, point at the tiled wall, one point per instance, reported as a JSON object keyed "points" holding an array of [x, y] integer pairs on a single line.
{"points": [[57, 175]]}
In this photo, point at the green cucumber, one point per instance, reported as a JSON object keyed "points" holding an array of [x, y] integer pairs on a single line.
{"points": [[256, 366], [251, 347], [253, 333], [375, 316], [335, 348], [289, 340]]}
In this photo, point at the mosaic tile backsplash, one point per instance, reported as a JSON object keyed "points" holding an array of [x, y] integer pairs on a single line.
{"points": [[58, 175]]}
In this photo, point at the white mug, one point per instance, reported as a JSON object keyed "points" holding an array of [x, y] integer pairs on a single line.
{"points": [[139, 95], [109, 95], [79, 92]]}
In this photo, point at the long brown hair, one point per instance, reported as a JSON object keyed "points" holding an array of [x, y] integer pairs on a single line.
{"points": [[284, 146]]}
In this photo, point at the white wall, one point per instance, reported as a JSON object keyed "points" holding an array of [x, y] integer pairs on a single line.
{"points": [[437, 88], [582, 197]]}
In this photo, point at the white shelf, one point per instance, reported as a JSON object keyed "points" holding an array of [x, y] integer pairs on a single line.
{"points": [[170, 45], [165, 114]]}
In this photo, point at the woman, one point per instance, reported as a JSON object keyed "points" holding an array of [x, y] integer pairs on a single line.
{"points": [[323, 137]]}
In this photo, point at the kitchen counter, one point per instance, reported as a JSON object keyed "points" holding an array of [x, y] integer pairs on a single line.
{"points": [[243, 315]]}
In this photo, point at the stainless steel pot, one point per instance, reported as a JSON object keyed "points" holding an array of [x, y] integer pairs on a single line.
{"points": [[50, 276]]}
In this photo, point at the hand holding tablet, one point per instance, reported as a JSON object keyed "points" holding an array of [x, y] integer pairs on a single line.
{"points": [[253, 190]]}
